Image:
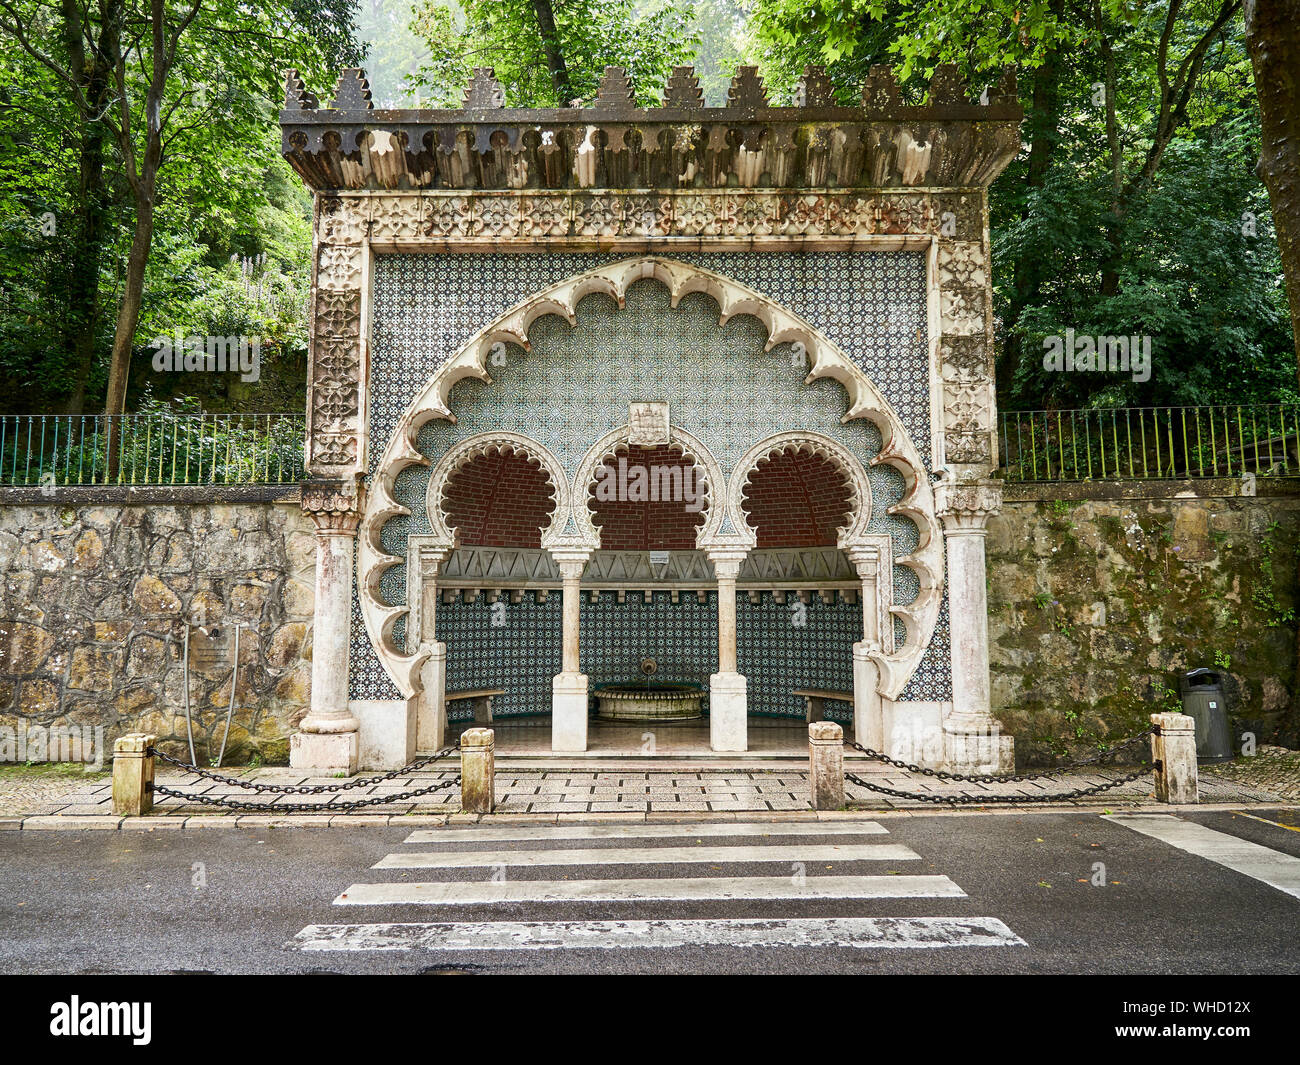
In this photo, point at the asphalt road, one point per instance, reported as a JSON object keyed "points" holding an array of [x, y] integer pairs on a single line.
{"points": [[234, 901]]}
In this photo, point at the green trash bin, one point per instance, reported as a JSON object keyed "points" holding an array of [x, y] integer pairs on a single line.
{"points": [[1203, 700]]}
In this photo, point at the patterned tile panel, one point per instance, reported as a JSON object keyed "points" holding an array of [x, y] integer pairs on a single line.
{"points": [[426, 306]]}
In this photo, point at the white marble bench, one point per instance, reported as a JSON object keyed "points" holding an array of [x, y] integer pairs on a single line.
{"points": [[482, 698], [815, 700]]}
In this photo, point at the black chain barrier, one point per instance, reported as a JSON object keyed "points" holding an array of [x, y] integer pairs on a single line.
{"points": [[1011, 778], [986, 800], [314, 789]]}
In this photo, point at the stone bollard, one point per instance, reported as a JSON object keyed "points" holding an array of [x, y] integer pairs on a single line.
{"points": [[478, 771], [826, 765], [133, 774], [1173, 745]]}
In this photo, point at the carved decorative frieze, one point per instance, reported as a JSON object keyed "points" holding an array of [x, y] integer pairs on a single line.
{"points": [[498, 217], [339, 267], [544, 216], [959, 215], [962, 264], [950, 141], [967, 507], [965, 357], [962, 310], [598, 216], [425, 218], [333, 506], [334, 396], [451, 216], [341, 220], [394, 219], [968, 420]]}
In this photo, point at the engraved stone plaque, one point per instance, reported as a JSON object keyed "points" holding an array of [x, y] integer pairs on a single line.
{"points": [[647, 423]]}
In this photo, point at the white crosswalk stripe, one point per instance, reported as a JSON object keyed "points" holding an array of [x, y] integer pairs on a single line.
{"points": [[658, 889], [1274, 868], [820, 857], [613, 935], [640, 830], [791, 852]]}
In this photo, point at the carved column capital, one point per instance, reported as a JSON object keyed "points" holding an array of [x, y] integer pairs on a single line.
{"points": [[967, 507], [866, 560], [333, 506], [571, 561], [727, 561], [430, 558]]}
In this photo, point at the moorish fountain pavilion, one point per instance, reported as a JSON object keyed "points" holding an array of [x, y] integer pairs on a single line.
{"points": [[706, 386]]}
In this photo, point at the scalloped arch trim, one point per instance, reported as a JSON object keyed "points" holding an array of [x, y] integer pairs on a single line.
{"points": [[570, 528]]}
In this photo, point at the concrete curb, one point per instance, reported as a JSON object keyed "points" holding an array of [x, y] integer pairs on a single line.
{"points": [[177, 822]]}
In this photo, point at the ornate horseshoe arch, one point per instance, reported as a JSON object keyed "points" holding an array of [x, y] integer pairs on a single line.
{"points": [[849, 535], [491, 443], [613, 443], [567, 527], [925, 561]]}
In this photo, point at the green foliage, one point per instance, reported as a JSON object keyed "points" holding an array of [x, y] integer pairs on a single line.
{"points": [[591, 34], [223, 189], [1187, 258]]}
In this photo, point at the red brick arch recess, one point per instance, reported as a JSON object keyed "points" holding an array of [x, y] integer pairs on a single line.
{"points": [[797, 499], [648, 499], [499, 499]]}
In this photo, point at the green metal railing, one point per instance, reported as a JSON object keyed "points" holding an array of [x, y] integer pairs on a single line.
{"points": [[1147, 443], [151, 449]]}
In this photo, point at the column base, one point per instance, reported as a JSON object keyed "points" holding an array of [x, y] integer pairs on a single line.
{"points": [[971, 751], [569, 713], [728, 712], [431, 709], [868, 710], [335, 751]]}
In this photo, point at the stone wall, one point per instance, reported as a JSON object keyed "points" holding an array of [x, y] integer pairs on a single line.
{"points": [[91, 619], [1097, 605]]}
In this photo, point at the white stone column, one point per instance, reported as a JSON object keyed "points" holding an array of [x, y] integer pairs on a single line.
{"points": [[868, 713], [328, 736], [728, 698], [431, 705], [569, 688], [972, 738]]}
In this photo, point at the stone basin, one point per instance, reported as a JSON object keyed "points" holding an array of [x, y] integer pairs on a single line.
{"points": [[663, 702]]}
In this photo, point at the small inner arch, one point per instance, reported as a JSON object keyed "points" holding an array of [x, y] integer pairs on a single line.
{"points": [[797, 498], [503, 498], [648, 499]]}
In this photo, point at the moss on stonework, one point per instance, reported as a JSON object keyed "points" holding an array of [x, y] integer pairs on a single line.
{"points": [[1097, 609]]}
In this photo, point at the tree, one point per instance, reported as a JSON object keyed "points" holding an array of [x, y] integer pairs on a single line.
{"points": [[548, 53], [1273, 38], [1141, 83], [140, 74]]}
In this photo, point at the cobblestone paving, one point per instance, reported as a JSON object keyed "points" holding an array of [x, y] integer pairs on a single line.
{"points": [[1274, 769], [22, 793], [613, 791]]}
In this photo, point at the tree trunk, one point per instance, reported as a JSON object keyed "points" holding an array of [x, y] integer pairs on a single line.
{"points": [[128, 317], [1042, 124], [82, 329], [1273, 40], [554, 55], [91, 67]]}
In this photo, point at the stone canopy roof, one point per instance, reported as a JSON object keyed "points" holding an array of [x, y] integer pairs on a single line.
{"points": [[949, 142]]}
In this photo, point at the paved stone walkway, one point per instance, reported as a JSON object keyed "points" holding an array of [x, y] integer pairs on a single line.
{"points": [[544, 792], [1273, 769]]}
